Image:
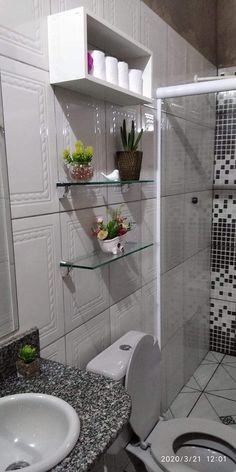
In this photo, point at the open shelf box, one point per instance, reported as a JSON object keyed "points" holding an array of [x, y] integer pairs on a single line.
{"points": [[69, 34], [100, 259]]}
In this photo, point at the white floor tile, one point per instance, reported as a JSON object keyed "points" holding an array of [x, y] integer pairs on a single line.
{"points": [[229, 360], [210, 358], [221, 380], [222, 406], [218, 355], [203, 409], [204, 373], [168, 415], [191, 385], [184, 403], [231, 369]]}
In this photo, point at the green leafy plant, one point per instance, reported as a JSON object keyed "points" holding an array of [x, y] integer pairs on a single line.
{"points": [[28, 353], [81, 155], [131, 140], [117, 225]]}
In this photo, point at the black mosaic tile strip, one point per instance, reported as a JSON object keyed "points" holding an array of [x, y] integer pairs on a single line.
{"points": [[223, 327], [9, 351], [223, 254]]}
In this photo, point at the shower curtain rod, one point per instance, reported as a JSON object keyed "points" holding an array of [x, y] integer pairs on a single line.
{"points": [[216, 77], [197, 88]]}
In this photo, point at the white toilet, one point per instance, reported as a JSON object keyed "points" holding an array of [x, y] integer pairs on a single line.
{"points": [[179, 445]]}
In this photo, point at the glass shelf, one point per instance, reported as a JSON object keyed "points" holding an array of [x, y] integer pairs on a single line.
{"points": [[99, 258], [63, 187], [104, 182]]}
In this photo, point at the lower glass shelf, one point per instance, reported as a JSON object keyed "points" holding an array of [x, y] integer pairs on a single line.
{"points": [[103, 182], [99, 258]]}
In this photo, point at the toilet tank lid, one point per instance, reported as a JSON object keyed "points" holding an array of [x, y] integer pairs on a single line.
{"points": [[113, 361]]}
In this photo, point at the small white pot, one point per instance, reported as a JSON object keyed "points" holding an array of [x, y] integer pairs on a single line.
{"points": [[113, 246]]}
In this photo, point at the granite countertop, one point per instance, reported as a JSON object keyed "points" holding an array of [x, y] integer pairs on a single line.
{"points": [[103, 407]]}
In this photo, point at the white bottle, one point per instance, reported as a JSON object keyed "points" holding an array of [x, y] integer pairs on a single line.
{"points": [[111, 69], [98, 69], [136, 80], [123, 74]]}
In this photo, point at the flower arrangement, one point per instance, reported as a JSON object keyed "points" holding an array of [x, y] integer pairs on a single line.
{"points": [[117, 225], [79, 161], [81, 155]]}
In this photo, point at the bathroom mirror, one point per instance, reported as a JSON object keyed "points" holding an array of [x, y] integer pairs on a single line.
{"points": [[8, 299]]}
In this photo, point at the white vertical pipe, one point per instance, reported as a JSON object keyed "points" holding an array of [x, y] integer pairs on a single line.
{"points": [[158, 223]]}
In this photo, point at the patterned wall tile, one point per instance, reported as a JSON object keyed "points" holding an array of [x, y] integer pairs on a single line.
{"points": [[223, 260], [223, 256], [225, 159], [223, 326]]}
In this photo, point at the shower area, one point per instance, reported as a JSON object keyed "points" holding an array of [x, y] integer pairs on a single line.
{"points": [[198, 260]]}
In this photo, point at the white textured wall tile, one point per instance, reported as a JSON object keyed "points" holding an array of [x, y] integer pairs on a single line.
{"points": [[196, 283], [149, 148], [7, 298], [126, 315], [23, 31], [172, 300], [96, 6], [30, 139], [39, 285], [149, 308], [174, 366], [125, 15], [172, 229], [86, 292], [55, 351], [154, 36], [173, 150], [87, 341], [114, 119], [125, 275], [81, 117], [176, 69], [197, 227], [150, 255]]}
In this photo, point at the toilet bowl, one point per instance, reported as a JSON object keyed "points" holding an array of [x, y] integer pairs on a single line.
{"points": [[179, 445]]}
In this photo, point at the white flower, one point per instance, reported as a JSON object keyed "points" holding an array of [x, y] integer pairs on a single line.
{"points": [[99, 219]]}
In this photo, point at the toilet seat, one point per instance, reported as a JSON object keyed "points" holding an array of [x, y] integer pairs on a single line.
{"points": [[165, 436]]}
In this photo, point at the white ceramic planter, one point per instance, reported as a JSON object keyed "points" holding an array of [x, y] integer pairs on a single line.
{"points": [[113, 246]]}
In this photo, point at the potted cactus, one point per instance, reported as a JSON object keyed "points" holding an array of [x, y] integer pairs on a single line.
{"points": [[129, 160], [28, 362]]}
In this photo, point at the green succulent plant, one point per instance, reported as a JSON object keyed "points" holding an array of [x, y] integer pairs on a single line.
{"points": [[131, 140], [81, 155], [28, 353]]}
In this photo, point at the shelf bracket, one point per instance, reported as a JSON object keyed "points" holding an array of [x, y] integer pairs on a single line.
{"points": [[65, 270], [62, 191]]}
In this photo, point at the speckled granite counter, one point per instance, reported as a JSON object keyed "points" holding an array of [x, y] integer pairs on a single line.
{"points": [[103, 407]]}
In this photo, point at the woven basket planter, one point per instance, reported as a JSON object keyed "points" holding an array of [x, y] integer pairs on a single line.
{"points": [[129, 164]]}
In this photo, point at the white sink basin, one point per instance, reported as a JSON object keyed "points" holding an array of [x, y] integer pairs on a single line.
{"points": [[36, 431]]}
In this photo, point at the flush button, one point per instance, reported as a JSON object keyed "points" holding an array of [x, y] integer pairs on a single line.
{"points": [[125, 347]]}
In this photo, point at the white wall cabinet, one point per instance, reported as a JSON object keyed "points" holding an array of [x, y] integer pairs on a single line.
{"points": [[69, 34]]}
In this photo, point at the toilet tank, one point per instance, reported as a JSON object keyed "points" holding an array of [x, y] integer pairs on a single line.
{"points": [[134, 360], [112, 363]]}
